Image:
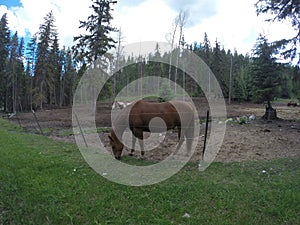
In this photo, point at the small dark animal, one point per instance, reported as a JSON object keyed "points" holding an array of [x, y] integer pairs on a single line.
{"points": [[292, 104], [178, 114]]}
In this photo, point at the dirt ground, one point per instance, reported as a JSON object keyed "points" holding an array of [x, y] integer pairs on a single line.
{"points": [[256, 140]]}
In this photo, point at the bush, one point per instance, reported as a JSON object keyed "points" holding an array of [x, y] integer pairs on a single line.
{"points": [[165, 92]]}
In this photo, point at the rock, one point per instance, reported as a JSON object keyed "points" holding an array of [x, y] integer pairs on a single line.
{"points": [[266, 130], [228, 120], [186, 215], [252, 117]]}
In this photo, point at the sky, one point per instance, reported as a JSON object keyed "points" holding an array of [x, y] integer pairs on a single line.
{"points": [[233, 23]]}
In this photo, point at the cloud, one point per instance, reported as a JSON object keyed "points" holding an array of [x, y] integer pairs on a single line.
{"points": [[28, 17], [234, 25], [145, 20], [130, 3], [196, 9], [149, 21], [233, 22]]}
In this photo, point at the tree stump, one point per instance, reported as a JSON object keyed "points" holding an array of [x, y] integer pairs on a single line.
{"points": [[270, 113]]}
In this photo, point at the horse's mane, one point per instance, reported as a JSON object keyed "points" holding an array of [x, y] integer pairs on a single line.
{"points": [[120, 122]]}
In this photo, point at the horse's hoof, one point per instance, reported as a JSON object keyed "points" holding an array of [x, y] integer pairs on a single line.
{"points": [[130, 154], [142, 157]]}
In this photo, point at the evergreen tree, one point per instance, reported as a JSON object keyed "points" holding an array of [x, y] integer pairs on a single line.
{"points": [[43, 79], [218, 66], [14, 74], [54, 76], [26, 101], [20, 94], [31, 52], [11, 88], [296, 82], [154, 67], [97, 42], [265, 75], [284, 10], [206, 55], [242, 78], [4, 51], [68, 79]]}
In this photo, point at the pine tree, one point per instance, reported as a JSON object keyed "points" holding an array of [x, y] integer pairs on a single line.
{"points": [[296, 82], [26, 84], [265, 75], [218, 66], [97, 42], [20, 94], [242, 78], [206, 55], [11, 89], [31, 54], [14, 74], [284, 10], [54, 76], [4, 51], [68, 80], [43, 79]]}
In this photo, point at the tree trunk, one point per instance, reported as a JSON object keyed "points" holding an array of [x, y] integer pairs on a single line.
{"points": [[270, 113]]}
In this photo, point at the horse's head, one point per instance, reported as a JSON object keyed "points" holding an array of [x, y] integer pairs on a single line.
{"points": [[116, 145]]}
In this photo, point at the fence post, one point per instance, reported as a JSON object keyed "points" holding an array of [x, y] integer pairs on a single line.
{"points": [[86, 145], [205, 134], [36, 120]]}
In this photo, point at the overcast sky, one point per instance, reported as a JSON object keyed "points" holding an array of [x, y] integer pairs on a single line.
{"points": [[232, 22]]}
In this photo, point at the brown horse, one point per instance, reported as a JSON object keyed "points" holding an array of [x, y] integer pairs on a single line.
{"points": [[175, 114]]}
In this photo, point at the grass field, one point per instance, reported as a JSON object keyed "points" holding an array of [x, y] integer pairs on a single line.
{"points": [[48, 182]]}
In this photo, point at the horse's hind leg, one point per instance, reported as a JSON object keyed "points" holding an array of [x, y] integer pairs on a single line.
{"points": [[179, 133], [189, 139], [189, 142], [188, 135], [142, 147], [180, 139]]}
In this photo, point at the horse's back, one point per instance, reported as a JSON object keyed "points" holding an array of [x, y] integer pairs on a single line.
{"points": [[142, 106], [173, 113]]}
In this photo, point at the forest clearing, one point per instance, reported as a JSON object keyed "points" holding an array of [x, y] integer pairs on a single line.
{"points": [[64, 62]]}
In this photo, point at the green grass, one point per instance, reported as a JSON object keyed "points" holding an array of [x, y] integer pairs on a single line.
{"points": [[285, 100], [48, 182]]}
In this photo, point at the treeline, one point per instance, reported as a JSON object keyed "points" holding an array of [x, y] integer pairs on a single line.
{"points": [[43, 74], [250, 79], [37, 74]]}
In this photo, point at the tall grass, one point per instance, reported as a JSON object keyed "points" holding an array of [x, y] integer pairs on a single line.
{"points": [[48, 182]]}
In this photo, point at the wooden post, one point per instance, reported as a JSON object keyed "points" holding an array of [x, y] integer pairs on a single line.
{"points": [[18, 120], [36, 120], [205, 135], [83, 137]]}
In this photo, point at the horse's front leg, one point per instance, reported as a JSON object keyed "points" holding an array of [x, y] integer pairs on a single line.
{"points": [[180, 139], [138, 133]]}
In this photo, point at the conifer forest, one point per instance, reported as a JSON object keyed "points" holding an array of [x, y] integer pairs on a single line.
{"points": [[42, 73]]}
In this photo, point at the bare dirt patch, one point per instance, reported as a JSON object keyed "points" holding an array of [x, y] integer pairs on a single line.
{"points": [[256, 140]]}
